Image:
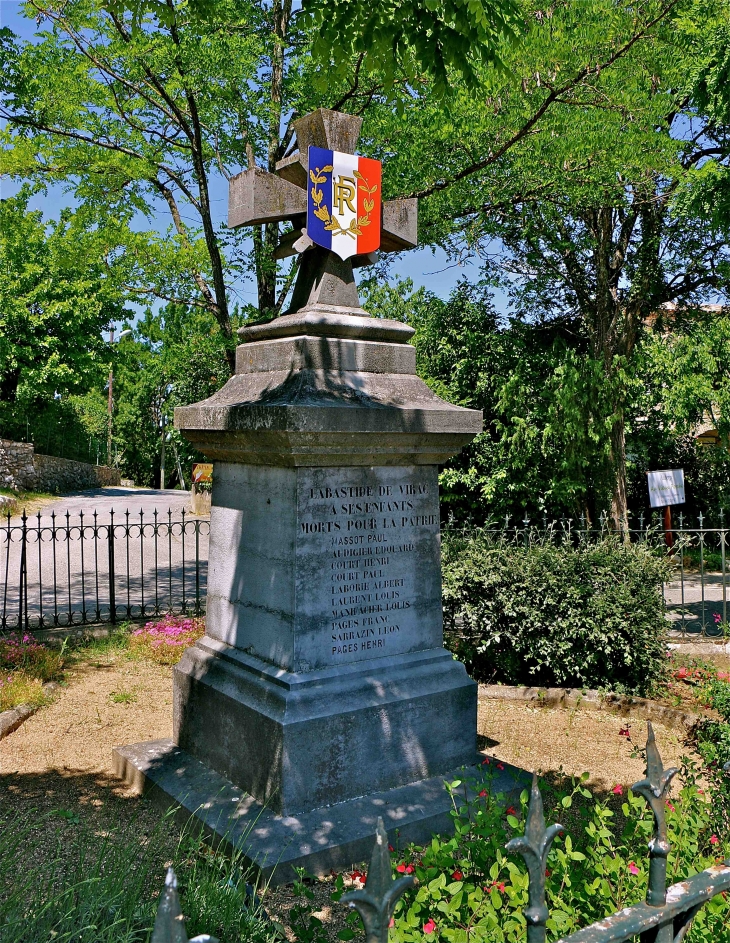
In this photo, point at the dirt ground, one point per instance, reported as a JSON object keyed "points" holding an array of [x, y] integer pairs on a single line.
{"points": [[59, 761], [550, 740]]}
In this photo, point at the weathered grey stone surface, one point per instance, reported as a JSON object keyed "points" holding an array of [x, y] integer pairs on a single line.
{"points": [[337, 836], [332, 354], [301, 740], [376, 410], [323, 676], [399, 229], [317, 567], [330, 322], [256, 197]]}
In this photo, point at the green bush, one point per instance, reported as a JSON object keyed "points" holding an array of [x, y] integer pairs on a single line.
{"points": [[470, 890], [543, 612]]}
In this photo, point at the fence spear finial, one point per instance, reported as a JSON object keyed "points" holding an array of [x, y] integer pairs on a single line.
{"points": [[534, 846], [653, 788], [376, 902]]}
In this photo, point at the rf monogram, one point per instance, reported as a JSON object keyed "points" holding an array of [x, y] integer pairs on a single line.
{"points": [[343, 192]]}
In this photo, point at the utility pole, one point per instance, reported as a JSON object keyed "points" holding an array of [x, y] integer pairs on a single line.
{"points": [[110, 406], [162, 456], [110, 401]]}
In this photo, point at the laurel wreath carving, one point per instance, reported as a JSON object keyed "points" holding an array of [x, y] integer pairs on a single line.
{"points": [[319, 176]]}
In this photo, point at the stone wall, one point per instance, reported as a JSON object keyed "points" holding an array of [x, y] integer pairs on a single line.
{"points": [[22, 469]]}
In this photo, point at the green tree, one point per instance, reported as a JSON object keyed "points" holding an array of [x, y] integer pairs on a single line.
{"points": [[579, 217], [543, 449], [56, 296], [177, 356]]}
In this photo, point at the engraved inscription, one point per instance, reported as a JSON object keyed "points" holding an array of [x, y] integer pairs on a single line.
{"points": [[372, 540]]}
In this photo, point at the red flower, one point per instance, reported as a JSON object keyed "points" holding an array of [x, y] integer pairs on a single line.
{"points": [[400, 868], [429, 926], [511, 810], [485, 761], [483, 793], [618, 790], [714, 839], [547, 872], [669, 805], [500, 767], [391, 848], [625, 731], [457, 875], [409, 869]]}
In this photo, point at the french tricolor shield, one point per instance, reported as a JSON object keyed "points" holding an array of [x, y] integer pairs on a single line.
{"points": [[343, 202]]}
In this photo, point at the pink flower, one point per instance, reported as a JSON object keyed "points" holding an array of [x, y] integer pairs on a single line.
{"points": [[392, 923], [714, 839], [633, 869], [669, 806], [429, 926], [500, 767], [409, 869], [618, 790]]}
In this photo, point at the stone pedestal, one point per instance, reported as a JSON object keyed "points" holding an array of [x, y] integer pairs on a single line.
{"points": [[322, 678]]}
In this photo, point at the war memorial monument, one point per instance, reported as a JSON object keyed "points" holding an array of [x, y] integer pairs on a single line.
{"points": [[321, 696]]}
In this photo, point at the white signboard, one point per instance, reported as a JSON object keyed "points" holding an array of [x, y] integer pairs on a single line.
{"points": [[666, 487]]}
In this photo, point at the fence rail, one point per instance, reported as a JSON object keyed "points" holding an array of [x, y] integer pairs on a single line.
{"points": [[66, 570], [61, 571]]}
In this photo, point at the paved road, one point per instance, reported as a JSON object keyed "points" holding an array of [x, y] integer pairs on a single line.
{"points": [[103, 500], [157, 555], [693, 603]]}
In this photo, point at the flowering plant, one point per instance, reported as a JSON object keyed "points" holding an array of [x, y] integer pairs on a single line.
{"points": [[24, 653], [469, 889], [164, 640]]}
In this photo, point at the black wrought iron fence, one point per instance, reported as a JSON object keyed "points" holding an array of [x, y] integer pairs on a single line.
{"points": [[665, 916], [65, 570], [695, 596]]}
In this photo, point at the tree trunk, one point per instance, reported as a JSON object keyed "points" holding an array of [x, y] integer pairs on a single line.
{"points": [[619, 509], [266, 237]]}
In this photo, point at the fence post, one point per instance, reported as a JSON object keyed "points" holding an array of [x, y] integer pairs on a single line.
{"points": [[23, 589], [112, 596]]}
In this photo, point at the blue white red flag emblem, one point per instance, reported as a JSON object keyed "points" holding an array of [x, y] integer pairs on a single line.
{"points": [[343, 202]]}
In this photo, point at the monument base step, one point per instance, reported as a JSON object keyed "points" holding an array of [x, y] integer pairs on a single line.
{"points": [[335, 837]]}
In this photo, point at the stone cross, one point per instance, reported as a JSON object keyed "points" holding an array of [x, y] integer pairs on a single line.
{"points": [[256, 196]]}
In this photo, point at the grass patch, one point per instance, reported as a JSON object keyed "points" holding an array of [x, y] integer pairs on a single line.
{"points": [[25, 666], [94, 886], [19, 688], [123, 697]]}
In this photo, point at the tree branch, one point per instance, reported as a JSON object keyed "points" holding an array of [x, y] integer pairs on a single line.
{"points": [[549, 100]]}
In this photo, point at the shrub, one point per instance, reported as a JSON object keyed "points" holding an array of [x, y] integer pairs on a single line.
{"points": [[549, 613], [164, 641], [469, 888]]}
